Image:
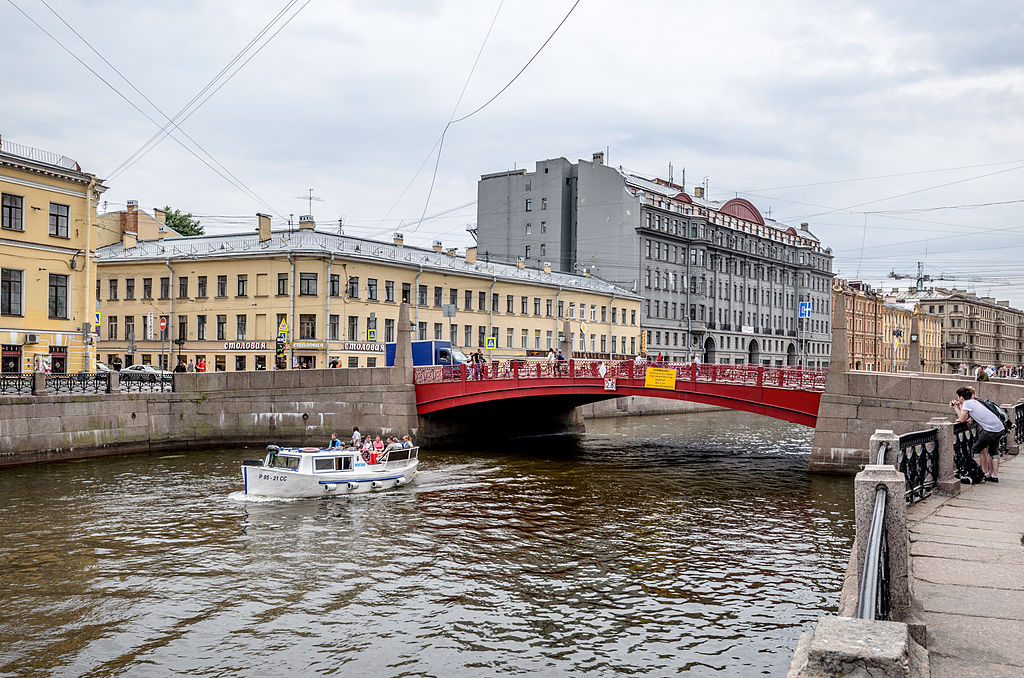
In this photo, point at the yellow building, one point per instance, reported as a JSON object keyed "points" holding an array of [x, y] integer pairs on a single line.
{"points": [[47, 242], [224, 299]]}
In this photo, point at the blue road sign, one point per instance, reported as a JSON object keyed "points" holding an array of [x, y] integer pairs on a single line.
{"points": [[805, 309]]}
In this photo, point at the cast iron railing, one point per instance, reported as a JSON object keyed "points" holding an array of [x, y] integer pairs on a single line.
{"points": [[963, 439], [84, 382], [919, 462], [1018, 422], [15, 384], [873, 595], [146, 382]]}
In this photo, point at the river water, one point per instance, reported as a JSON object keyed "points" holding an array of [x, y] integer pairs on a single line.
{"points": [[655, 546]]}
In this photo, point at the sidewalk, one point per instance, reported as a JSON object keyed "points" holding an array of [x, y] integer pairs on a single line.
{"points": [[968, 575]]}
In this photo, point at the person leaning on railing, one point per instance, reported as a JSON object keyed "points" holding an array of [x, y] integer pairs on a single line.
{"points": [[986, 444]]}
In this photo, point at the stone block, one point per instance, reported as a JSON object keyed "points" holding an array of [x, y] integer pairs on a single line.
{"points": [[863, 383], [894, 386], [379, 378], [286, 379], [237, 381], [843, 646]]}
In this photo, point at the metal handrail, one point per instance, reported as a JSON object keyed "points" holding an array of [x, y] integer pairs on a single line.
{"points": [[873, 595], [918, 460]]}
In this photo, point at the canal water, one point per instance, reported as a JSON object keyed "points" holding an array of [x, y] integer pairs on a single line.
{"points": [[650, 546]]}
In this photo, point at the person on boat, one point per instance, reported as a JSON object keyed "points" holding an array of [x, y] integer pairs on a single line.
{"points": [[334, 442], [393, 444], [378, 444], [355, 436], [406, 441]]}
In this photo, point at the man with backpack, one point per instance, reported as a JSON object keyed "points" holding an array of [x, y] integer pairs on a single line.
{"points": [[986, 444]]}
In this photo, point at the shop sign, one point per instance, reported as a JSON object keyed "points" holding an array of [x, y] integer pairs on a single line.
{"points": [[245, 346], [308, 345], [364, 346]]}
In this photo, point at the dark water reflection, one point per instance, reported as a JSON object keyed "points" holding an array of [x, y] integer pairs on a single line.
{"points": [[651, 546]]}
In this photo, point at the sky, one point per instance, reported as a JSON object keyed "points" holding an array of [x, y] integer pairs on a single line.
{"points": [[894, 129]]}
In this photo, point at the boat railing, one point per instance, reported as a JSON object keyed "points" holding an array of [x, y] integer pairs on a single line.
{"points": [[403, 455]]}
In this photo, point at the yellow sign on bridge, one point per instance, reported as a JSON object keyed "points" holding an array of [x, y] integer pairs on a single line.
{"points": [[660, 377]]}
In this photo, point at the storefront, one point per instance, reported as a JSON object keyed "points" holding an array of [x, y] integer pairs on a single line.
{"points": [[11, 357], [304, 354], [59, 359]]}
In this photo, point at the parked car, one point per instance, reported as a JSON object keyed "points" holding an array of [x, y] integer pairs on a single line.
{"points": [[146, 370], [102, 367]]}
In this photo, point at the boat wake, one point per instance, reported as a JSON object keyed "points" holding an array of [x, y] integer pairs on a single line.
{"points": [[244, 498]]}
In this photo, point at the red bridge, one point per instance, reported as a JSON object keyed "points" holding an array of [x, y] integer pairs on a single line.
{"points": [[789, 393]]}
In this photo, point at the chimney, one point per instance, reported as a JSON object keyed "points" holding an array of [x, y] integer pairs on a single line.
{"points": [[804, 226], [520, 264], [437, 246], [130, 225], [160, 215], [586, 273], [698, 192], [599, 158], [471, 255], [547, 267], [264, 226], [306, 222], [451, 251], [399, 239]]}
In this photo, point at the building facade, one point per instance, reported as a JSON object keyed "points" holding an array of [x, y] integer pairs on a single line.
{"points": [[719, 282], [224, 299], [48, 237]]}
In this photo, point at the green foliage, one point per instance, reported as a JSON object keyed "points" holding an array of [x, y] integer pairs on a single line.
{"points": [[182, 223]]}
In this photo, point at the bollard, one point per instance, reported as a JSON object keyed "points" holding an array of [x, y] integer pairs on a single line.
{"points": [[948, 484]]}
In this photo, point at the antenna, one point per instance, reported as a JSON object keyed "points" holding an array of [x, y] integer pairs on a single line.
{"points": [[310, 198]]}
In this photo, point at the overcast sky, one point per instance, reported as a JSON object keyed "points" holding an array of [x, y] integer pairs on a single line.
{"points": [[894, 129]]}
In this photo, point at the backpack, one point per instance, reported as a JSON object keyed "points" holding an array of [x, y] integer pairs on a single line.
{"points": [[1004, 418], [970, 472]]}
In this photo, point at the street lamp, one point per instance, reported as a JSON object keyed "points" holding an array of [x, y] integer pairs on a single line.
{"points": [[179, 342]]}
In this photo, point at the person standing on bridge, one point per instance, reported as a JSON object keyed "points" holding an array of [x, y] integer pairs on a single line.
{"points": [[986, 444]]}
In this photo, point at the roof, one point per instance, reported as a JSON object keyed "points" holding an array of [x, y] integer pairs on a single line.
{"points": [[312, 242]]}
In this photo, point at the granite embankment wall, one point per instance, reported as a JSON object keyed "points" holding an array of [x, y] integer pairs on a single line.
{"points": [[856, 404], [286, 407]]}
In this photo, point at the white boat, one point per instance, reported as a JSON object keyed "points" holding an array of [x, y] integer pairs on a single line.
{"points": [[297, 472]]}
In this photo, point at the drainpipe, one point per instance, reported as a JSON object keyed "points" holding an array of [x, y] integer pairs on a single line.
{"points": [[490, 312], [558, 294], [291, 312], [327, 333], [611, 306], [416, 292], [170, 317], [90, 359], [688, 325]]}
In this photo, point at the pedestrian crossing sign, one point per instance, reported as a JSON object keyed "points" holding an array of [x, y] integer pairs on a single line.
{"points": [[371, 335], [492, 343]]}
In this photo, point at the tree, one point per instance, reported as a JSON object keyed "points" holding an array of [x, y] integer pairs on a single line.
{"points": [[182, 223]]}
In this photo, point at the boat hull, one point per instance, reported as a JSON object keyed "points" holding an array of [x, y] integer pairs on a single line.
{"points": [[287, 484]]}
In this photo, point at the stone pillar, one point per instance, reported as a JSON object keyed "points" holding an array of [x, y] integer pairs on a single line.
{"points": [[892, 455], [565, 346], [865, 484], [1011, 440], [39, 383], [838, 382], [948, 484], [403, 344], [113, 381], [842, 646]]}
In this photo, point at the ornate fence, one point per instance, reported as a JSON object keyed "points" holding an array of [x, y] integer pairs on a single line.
{"points": [[146, 382], [919, 462], [16, 384], [84, 382]]}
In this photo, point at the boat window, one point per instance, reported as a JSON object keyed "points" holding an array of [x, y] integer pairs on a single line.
{"points": [[344, 463], [332, 463], [282, 461]]}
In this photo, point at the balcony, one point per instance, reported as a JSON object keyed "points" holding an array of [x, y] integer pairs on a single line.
{"points": [[780, 333], [955, 344]]}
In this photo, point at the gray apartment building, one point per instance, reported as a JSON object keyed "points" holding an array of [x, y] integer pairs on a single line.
{"points": [[720, 282]]}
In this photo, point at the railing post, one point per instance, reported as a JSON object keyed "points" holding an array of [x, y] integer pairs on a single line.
{"points": [[1012, 447], [515, 370], [572, 368], [892, 455], [947, 481], [865, 485], [39, 383], [462, 371], [113, 381], [760, 376], [693, 372]]}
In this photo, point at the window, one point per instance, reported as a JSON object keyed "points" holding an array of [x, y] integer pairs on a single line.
{"points": [[165, 288], [524, 339], [353, 361], [481, 301], [421, 331], [543, 249], [536, 305], [469, 300], [353, 328], [242, 286], [183, 327], [543, 227], [59, 220], [282, 284], [389, 329], [529, 205], [222, 286], [112, 294], [482, 335], [509, 337], [240, 327], [307, 284], [333, 327], [352, 290], [147, 288], [129, 327], [453, 334], [543, 203], [510, 304], [527, 252], [468, 336], [183, 287], [11, 291], [200, 327], [307, 326], [12, 211], [200, 287], [406, 292], [222, 322], [453, 297], [438, 296], [389, 290], [371, 289], [438, 330], [112, 327], [421, 295], [239, 363], [58, 297], [561, 309], [494, 301], [529, 228]]}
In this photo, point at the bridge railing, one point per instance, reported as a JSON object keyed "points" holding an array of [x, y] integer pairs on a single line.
{"points": [[919, 462], [776, 376]]}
